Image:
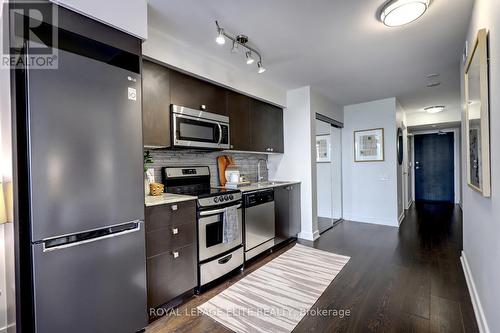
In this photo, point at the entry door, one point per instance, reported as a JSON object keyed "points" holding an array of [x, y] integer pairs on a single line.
{"points": [[434, 167]]}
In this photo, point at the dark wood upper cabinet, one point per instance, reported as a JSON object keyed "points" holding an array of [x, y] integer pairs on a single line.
{"points": [[238, 107], [266, 127], [191, 92], [254, 125], [156, 104]]}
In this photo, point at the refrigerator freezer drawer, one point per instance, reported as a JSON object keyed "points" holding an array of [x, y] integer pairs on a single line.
{"points": [[92, 286]]}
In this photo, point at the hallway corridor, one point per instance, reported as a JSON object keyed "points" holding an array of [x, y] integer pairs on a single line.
{"points": [[406, 280]]}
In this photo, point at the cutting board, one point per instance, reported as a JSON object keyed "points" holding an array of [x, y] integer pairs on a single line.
{"points": [[223, 162]]}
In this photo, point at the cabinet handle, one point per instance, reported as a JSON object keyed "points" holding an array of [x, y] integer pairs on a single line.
{"points": [[175, 254], [203, 107], [174, 207], [175, 231]]}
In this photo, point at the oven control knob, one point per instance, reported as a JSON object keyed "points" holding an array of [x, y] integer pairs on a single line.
{"points": [[226, 197], [231, 197], [216, 199], [221, 198]]}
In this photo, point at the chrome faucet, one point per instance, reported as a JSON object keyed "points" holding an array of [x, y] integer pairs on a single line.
{"points": [[259, 176]]}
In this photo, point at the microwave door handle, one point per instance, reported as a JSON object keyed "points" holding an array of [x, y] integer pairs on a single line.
{"points": [[220, 133]]}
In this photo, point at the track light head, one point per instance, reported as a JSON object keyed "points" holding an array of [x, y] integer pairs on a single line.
{"points": [[250, 60], [261, 68], [221, 40]]}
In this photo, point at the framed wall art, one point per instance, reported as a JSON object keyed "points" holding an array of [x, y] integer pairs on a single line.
{"points": [[369, 145], [477, 128]]}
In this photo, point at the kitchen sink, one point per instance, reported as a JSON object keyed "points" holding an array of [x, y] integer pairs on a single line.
{"points": [[271, 183]]}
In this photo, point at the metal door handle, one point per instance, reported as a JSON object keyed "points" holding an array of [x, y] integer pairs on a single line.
{"points": [[174, 207], [225, 259], [217, 211], [220, 134], [51, 244], [175, 231], [175, 254]]}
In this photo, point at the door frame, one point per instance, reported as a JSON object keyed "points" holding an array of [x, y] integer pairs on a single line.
{"points": [[457, 153]]}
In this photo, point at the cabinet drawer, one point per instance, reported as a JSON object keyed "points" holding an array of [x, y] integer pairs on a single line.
{"points": [[171, 275], [170, 238], [163, 216]]}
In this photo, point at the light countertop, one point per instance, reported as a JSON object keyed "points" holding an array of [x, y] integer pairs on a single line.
{"points": [[266, 185], [167, 198]]}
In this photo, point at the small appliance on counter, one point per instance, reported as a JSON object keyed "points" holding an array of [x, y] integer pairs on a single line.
{"points": [[229, 173]]}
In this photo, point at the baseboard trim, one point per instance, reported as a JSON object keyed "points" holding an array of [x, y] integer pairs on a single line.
{"points": [[372, 220], [476, 302], [401, 218], [310, 236]]}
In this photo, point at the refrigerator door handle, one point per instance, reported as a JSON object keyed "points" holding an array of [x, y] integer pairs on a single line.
{"points": [[91, 236]]}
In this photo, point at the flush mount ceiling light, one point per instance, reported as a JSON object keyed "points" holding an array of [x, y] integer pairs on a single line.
{"points": [[240, 42], [434, 109], [396, 13]]}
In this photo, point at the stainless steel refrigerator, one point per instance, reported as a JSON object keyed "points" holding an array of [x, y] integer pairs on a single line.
{"points": [[86, 196]]}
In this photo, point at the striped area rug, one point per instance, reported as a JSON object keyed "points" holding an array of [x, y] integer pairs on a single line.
{"points": [[278, 295]]}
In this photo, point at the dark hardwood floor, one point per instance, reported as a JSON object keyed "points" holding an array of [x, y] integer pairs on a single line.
{"points": [[398, 280]]}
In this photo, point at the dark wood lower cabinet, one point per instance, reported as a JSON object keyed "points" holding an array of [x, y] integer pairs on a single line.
{"points": [[287, 210], [171, 274], [171, 261]]}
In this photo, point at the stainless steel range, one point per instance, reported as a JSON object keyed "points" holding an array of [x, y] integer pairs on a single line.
{"points": [[217, 255]]}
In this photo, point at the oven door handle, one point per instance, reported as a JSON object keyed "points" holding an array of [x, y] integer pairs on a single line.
{"points": [[217, 211]]}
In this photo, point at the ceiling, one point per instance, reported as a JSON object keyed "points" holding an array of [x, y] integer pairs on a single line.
{"points": [[338, 47]]}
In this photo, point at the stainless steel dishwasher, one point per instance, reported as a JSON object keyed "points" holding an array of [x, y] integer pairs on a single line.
{"points": [[259, 222]]}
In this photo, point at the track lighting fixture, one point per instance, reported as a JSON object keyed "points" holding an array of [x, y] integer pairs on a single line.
{"points": [[240, 41], [261, 68], [250, 60], [235, 48], [221, 40]]}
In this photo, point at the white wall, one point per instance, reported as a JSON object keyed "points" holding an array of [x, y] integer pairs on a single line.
{"points": [[323, 105], [183, 56], [130, 16], [298, 162], [370, 192], [481, 216]]}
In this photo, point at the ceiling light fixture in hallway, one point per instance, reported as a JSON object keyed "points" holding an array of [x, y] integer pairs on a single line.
{"points": [[396, 13], [434, 109]]}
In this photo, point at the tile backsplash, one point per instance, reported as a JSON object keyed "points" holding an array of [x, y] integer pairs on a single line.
{"points": [[247, 163]]}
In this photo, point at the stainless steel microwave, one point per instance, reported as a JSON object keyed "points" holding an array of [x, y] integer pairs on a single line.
{"points": [[199, 129]]}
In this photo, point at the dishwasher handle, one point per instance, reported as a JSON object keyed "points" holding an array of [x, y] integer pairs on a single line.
{"points": [[258, 198]]}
